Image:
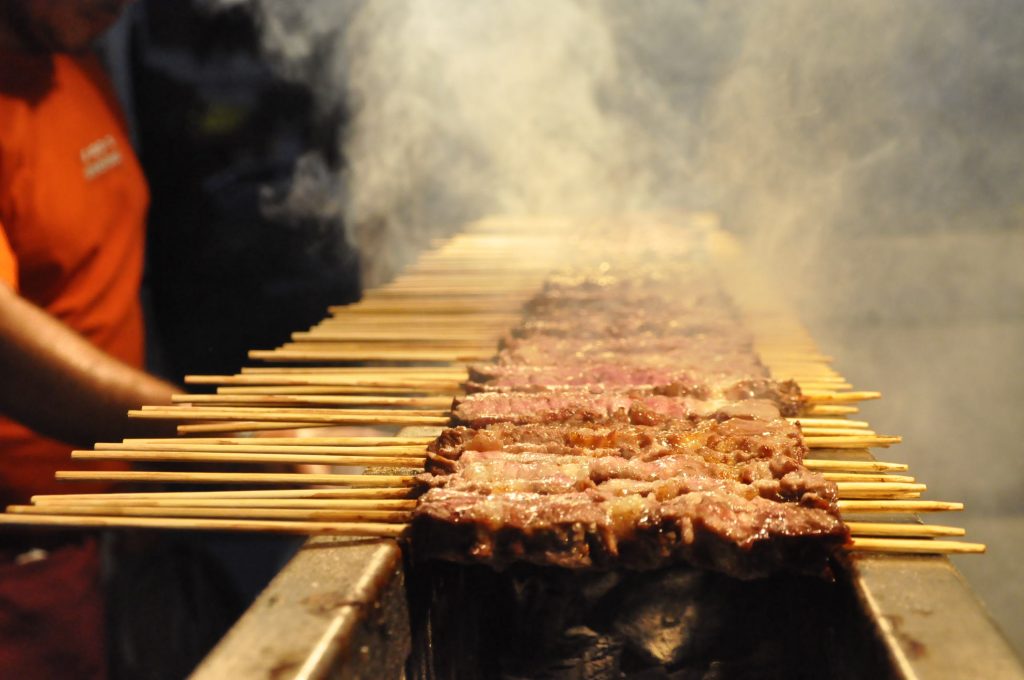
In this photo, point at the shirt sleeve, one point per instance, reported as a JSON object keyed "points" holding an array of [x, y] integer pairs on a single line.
{"points": [[8, 263]]}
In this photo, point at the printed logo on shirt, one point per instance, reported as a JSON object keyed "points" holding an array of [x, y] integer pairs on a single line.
{"points": [[100, 156]]}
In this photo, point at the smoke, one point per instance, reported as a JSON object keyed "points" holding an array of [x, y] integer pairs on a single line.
{"points": [[870, 151]]}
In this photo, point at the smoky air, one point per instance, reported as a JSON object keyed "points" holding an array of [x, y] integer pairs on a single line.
{"points": [[871, 153]]}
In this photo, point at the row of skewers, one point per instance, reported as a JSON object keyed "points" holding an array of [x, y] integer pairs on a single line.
{"points": [[418, 332]]}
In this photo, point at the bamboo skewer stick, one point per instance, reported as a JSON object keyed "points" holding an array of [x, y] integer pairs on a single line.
{"points": [[302, 514], [830, 410], [360, 529], [307, 514], [380, 529], [408, 355], [908, 545], [846, 489], [197, 411], [255, 447], [292, 418], [851, 442], [258, 458], [386, 481], [816, 397], [275, 390], [421, 336], [904, 530], [823, 386], [898, 506], [347, 493], [854, 465], [836, 431], [337, 400], [376, 460], [829, 422], [379, 348], [249, 426], [867, 477], [304, 441], [326, 379], [453, 372], [298, 503]]}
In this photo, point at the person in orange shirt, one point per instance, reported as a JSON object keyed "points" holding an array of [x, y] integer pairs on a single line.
{"points": [[72, 211]]}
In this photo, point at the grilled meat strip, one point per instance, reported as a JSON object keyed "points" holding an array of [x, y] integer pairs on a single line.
{"points": [[485, 408], [731, 495], [731, 441], [768, 455], [598, 377], [723, 525], [525, 350]]}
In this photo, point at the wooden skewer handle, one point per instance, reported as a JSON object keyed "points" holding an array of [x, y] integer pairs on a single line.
{"points": [[361, 529], [913, 546], [392, 481]]}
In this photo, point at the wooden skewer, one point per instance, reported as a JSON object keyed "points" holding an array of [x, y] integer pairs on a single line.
{"points": [[290, 418], [392, 481], [835, 431], [227, 456], [338, 400], [415, 292], [275, 390], [318, 494], [830, 410], [423, 307], [909, 545], [360, 442], [415, 451], [814, 397], [314, 503], [381, 529], [412, 446], [257, 458], [854, 465], [829, 422], [898, 506], [237, 411], [880, 486], [867, 477], [320, 514], [406, 355], [783, 357], [361, 529], [327, 379], [422, 337], [846, 489], [248, 426], [848, 442], [303, 514], [448, 372], [484, 348], [905, 530], [368, 319], [823, 386]]}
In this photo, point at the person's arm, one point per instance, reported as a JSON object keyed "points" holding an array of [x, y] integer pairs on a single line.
{"points": [[57, 383]]}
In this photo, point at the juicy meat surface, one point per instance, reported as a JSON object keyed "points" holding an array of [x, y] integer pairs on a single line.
{"points": [[485, 408], [597, 377], [649, 526], [628, 422], [730, 441]]}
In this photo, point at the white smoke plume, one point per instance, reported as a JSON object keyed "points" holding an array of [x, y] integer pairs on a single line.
{"points": [[871, 151]]}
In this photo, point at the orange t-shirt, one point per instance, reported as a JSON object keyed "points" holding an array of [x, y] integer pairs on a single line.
{"points": [[73, 201]]}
